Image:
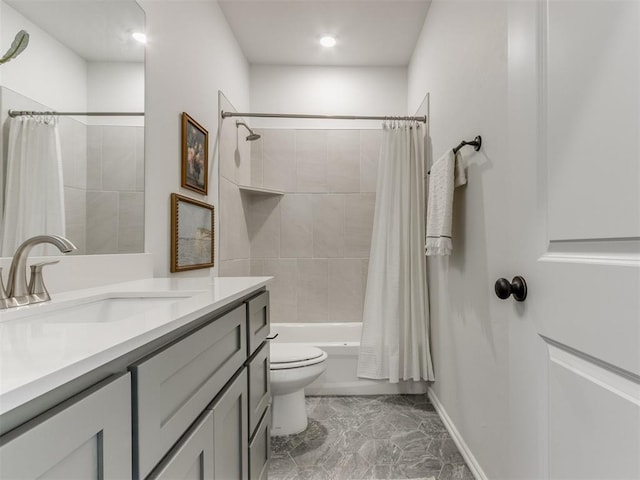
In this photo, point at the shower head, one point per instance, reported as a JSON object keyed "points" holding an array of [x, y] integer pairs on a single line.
{"points": [[252, 135], [17, 47]]}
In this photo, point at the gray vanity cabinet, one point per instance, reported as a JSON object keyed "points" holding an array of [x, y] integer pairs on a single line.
{"points": [[260, 448], [174, 386], [259, 386], [258, 321], [259, 382], [216, 446], [182, 410], [192, 457], [230, 433], [86, 437]]}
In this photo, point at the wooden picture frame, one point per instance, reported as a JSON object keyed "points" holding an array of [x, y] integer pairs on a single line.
{"points": [[195, 155], [192, 234]]}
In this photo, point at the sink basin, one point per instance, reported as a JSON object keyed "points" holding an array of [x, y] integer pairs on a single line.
{"points": [[106, 308], [109, 309]]}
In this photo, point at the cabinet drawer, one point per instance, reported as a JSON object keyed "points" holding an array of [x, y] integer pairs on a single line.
{"points": [[192, 457], [230, 434], [172, 387], [259, 386], [87, 436], [257, 320], [260, 449]]}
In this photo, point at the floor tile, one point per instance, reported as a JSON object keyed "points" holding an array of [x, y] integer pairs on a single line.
{"points": [[368, 437]]}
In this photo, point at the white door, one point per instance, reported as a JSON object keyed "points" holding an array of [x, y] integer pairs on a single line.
{"points": [[574, 136]]}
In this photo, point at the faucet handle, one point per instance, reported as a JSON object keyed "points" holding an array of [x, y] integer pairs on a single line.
{"points": [[37, 289], [5, 301], [3, 291]]}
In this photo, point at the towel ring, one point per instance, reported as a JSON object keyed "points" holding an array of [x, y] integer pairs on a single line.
{"points": [[476, 143]]}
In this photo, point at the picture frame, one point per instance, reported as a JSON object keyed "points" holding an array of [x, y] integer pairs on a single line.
{"points": [[192, 234], [195, 155]]}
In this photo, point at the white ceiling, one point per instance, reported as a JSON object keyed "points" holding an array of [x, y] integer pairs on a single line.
{"points": [[97, 31], [286, 32]]}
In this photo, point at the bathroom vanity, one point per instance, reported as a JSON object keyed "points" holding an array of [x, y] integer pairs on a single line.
{"points": [[155, 379]]}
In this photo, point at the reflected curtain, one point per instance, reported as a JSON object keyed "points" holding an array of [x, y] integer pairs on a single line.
{"points": [[395, 331], [34, 194]]}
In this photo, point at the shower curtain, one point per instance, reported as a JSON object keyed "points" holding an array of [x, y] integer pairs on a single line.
{"points": [[34, 195], [395, 331]]}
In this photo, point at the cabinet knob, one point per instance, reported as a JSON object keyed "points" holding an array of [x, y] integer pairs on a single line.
{"points": [[517, 287]]}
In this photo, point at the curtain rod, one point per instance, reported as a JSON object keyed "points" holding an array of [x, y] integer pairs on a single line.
{"points": [[18, 113], [323, 117]]}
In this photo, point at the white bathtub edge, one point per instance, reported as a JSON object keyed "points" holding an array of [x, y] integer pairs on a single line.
{"points": [[365, 387], [341, 341]]}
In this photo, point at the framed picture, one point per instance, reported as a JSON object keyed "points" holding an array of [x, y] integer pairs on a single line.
{"points": [[192, 234], [195, 155]]}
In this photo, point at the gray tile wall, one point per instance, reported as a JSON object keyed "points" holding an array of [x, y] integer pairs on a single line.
{"points": [[114, 189], [235, 169], [73, 148], [315, 239]]}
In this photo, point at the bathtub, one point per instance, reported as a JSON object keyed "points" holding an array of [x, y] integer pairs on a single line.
{"points": [[341, 342]]}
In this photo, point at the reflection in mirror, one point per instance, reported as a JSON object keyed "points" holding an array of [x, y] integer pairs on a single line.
{"points": [[80, 176]]}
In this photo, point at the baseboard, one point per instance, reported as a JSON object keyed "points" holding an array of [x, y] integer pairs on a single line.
{"points": [[472, 463]]}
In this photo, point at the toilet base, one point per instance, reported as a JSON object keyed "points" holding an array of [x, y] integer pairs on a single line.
{"points": [[289, 414]]}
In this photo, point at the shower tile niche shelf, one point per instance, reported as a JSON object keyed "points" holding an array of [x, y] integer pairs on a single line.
{"points": [[259, 190]]}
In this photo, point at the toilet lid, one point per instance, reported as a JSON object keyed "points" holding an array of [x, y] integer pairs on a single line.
{"points": [[293, 352]]}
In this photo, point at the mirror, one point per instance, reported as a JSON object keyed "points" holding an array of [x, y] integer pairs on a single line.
{"points": [[81, 57]]}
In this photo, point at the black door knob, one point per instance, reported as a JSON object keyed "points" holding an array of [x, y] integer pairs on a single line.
{"points": [[517, 287]]}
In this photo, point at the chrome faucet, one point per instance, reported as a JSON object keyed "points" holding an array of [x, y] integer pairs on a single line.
{"points": [[18, 293]]}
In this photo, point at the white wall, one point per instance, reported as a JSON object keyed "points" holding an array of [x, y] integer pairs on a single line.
{"points": [[115, 87], [460, 59], [327, 90], [191, 54], [58, 78]]}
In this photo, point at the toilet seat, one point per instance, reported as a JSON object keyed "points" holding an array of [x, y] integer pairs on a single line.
{"points": [[292, 355]]}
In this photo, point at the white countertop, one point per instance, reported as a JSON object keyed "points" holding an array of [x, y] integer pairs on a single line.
{"points": [[37, 355]]}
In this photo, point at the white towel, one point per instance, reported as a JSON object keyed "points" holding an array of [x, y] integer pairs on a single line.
{"points": [[446, 174]]}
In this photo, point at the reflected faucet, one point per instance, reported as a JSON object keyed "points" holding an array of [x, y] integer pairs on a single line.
{"points": [[18, 293]]}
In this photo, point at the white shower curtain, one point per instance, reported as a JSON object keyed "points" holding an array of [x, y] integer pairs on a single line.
{"points": [[34, 195], [395, 332]]}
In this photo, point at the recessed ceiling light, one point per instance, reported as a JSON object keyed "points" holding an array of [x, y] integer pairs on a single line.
{"points": [[328, 41], [140, 37]]}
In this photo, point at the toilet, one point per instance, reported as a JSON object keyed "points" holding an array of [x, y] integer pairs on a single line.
{"points": [[293, 367]]}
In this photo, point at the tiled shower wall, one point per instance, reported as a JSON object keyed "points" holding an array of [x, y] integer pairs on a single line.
{"points": [[315, 238], [235, 169], [115, 189], [73, 148]]}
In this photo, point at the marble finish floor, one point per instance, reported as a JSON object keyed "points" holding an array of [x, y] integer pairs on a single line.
{"points": [[368, 437]]}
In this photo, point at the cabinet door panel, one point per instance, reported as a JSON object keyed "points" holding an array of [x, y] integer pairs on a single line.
{"points": [[192, 458], [231, 437], [86, 437], [174, 386], [260, 449], [257, 321], [259, 386]]}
